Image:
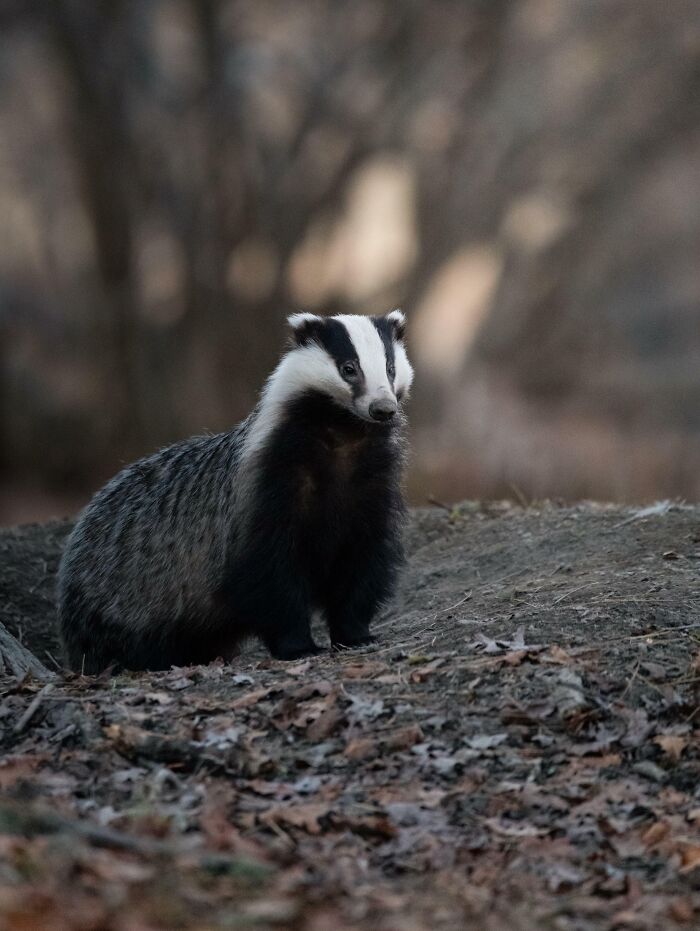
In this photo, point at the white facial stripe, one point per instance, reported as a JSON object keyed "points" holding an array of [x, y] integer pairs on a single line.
{"points": [[404, 371], [370, 350], [303, 368]]}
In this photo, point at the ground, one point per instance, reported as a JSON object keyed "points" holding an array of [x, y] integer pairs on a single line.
{"points": [[518, 751]]}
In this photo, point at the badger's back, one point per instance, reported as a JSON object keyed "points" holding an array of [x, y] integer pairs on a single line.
{"points": [[146, 553]]}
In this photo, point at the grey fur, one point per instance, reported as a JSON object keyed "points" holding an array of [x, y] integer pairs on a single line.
{"points": [[169, 515]]}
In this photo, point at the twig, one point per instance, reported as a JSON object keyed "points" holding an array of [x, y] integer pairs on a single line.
{"points": [[656, 633], [288, 841], [651, 685], [33, 822], [572, 591], [33, 706], [432, 617], [439, 504], [652, 633], [53, 659], [654, 510], [522, 500], [457, 604]]}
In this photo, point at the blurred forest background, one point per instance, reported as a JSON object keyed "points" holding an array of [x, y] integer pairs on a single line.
{"points": [[521, 176]]}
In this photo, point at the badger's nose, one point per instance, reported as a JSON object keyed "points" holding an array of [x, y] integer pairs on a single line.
{"points": [[382, 409]]}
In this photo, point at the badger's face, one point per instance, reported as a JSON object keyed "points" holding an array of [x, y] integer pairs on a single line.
{"points": [[360, 362]]}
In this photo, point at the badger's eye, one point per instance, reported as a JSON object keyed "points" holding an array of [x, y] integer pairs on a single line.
{"points": [[348, 369], [390, 369]]}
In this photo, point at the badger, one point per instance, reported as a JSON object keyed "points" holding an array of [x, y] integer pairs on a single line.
{"points": [[294, 513]]}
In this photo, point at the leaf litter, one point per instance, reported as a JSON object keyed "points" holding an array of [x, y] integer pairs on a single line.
{"points": [[543, 772]]}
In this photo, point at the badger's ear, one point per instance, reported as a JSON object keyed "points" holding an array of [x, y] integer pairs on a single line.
{"points": [[398, 323], [305, 327]]}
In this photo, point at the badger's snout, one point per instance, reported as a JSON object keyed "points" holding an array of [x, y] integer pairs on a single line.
{"points": [[383, 409]]}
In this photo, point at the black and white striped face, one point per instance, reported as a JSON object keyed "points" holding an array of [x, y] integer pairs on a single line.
{"points": [[359, 361]]}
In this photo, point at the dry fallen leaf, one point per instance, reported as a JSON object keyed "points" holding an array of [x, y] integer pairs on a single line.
{"points": [[363, 710], [682, 910], [603, 740], [404, 737], [690, 857], [363, 670], [638, 726], [252, 698], [557, 655], [362, 748], [306, 816], [214, 821], [563, 876], [375, 824], [327, 722], [655, 671], [626, 918], [485, 741], [298, 669], [422, 673], [657, 832], [628, 845], [672, 745], [158, 698], [179, 682], [517, 644], [14, 768], [278, 911]]}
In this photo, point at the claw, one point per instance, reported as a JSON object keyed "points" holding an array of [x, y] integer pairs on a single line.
{"points": [[353, 644]]}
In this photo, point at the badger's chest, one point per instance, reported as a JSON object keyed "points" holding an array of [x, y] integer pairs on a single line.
{"points": [[336, 490], [332, 472]]}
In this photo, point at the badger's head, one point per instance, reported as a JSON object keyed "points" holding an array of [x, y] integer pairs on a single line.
{"points": [[360, 362]]}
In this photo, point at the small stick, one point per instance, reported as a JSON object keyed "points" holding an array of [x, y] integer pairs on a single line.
{"points": [[31, 822], [53, 659], [656, 633], [31, 710], [431, 617], [571, 591], [439, 504], [522, 500]]}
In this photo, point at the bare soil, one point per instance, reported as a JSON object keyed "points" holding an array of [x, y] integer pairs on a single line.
{"points": [[520, 750]]}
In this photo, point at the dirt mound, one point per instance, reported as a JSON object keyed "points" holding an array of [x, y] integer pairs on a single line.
{"points": [[520, 749], [29, 558]]}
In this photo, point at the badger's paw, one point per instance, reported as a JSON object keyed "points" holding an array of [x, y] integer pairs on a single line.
{"points": [[296, 652], [351, 644]]}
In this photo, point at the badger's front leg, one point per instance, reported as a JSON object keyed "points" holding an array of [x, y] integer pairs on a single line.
{"points": [[283, 617], [271, 599], [290, 639], [358, 592]]}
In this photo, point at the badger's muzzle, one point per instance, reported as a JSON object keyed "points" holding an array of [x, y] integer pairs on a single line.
{"points": [[382, 409]]}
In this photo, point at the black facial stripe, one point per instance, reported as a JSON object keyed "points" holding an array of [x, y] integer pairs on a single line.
{"points": [[385, 329], [335, 339]]}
